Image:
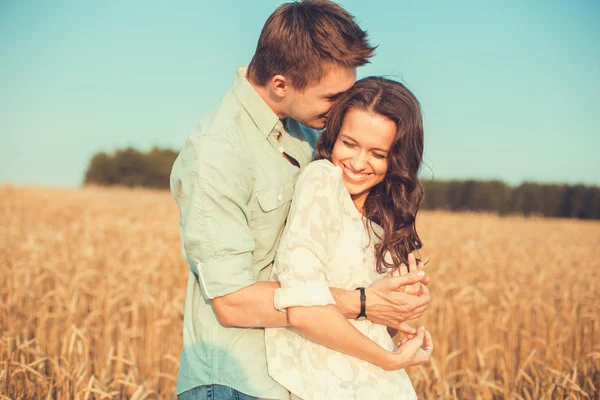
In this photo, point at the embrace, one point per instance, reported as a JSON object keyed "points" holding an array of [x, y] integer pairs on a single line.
{"points": [[300, 241]]}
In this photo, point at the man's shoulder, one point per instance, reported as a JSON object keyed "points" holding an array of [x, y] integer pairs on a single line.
{"points": [[222, 123], [215, 140], [224, 129]]}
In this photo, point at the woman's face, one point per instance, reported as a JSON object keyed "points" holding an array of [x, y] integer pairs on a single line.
{"points": [[361, 150]]}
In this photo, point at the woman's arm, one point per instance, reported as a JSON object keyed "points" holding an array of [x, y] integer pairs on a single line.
{"points": [[325, 325]]}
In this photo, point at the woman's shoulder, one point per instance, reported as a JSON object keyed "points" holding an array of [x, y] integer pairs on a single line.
{"points": [[320, 177], [321, 170]]}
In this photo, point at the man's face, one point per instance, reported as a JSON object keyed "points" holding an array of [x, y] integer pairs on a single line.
{"points": [[311, 106]]}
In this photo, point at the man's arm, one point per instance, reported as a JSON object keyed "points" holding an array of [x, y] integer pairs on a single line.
{"points": [[301, 265], [253, 307]]}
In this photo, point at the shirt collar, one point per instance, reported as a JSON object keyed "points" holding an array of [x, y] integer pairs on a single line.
{"points": [[262, 115]]}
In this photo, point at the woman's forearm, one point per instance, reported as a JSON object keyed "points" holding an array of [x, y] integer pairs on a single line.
{"points": [[328, 327]]}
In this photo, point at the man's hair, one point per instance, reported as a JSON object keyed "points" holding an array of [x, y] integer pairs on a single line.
{"points": [[301, 40]]}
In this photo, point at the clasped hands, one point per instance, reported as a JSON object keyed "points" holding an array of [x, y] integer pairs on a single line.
{"points": [[399, 297]]}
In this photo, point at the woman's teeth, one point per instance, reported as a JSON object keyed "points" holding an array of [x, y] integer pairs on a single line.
{"points": [[356, 177]]}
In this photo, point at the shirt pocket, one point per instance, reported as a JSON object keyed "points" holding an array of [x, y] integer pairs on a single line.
{"points": [[274, 205]]}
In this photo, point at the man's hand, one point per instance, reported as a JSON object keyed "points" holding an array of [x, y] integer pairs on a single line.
{"points": [[388, 304], [416, 289]]}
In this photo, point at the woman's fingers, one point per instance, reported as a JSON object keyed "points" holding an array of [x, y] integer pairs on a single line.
{"points": [[428, 342], [413, 345], [403, 269], [412, 263]]}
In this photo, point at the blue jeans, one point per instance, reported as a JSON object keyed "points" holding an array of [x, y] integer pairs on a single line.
{"points": [[214, 392]]}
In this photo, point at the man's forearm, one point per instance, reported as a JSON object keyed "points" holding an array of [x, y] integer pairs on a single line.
{"points": [[346, 301], [252, 306]]}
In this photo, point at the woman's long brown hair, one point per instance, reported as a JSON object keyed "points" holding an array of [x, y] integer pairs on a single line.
{"points": [[394, 202]]}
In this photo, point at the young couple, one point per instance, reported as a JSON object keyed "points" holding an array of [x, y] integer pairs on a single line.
{"points": [[306, 312]]}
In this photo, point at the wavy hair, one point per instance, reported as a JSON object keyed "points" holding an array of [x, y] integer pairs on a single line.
{"points": [[394, 202]]}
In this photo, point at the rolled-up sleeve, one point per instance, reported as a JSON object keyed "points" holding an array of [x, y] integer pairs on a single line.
{"points": [[211, 187], [311, 231]]}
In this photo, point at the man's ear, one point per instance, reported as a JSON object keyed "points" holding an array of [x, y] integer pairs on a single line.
{"points": [[279, 86]]}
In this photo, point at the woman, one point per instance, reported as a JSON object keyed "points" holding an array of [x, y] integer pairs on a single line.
{"points": [[352, 221]]}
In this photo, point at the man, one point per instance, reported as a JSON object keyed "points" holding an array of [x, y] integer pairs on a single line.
{"points": [[233, 182]]}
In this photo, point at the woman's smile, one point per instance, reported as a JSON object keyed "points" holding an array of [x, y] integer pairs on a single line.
{"points": [[353, 176]]}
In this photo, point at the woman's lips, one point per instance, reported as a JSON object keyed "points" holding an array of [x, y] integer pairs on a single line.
{"points": [[353, 176]]}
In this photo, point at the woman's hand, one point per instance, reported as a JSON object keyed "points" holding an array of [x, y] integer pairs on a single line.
{"points": [[410, 352]]}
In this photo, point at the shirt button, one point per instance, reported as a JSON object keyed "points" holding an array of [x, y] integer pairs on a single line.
{"points": [[281, 149], [279, 197]]}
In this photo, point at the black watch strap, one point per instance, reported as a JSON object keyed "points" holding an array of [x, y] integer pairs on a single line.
{"points": [[363, 304]]}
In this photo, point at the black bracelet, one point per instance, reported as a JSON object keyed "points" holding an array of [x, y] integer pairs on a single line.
{"points": [[363, 304]]}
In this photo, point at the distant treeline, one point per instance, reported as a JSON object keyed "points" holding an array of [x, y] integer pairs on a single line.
{"points": [[151, 169], [132, 168], [569, 201]]}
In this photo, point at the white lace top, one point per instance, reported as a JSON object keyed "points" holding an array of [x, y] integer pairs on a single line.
{"points": [[325, 244]]}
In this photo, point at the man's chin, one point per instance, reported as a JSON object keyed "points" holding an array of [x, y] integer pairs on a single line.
{"points": [[316, 124]]}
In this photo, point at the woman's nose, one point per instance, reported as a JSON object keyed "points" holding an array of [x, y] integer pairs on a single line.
{"points": [[359, 162]]}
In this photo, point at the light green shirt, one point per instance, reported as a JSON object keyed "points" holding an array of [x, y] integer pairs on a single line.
{"points": [[233, 188]]}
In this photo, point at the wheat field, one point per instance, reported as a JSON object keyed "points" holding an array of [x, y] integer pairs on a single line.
{"points": [[92, 287]]}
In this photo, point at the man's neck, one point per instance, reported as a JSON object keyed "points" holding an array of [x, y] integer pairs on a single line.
{"points": [[264, 94]]}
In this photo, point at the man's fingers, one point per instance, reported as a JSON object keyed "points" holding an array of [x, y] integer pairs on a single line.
{"points": [[420, 309], [421, 267], [407, 329], [413, 290], [408, 279], [426, 296], [420, 289]]}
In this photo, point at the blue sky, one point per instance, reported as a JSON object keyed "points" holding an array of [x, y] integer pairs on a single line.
{"points": [[509, 89]]}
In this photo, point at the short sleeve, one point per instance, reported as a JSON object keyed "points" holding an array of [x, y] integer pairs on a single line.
{"points": [[210, 185], [311, 232]]}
